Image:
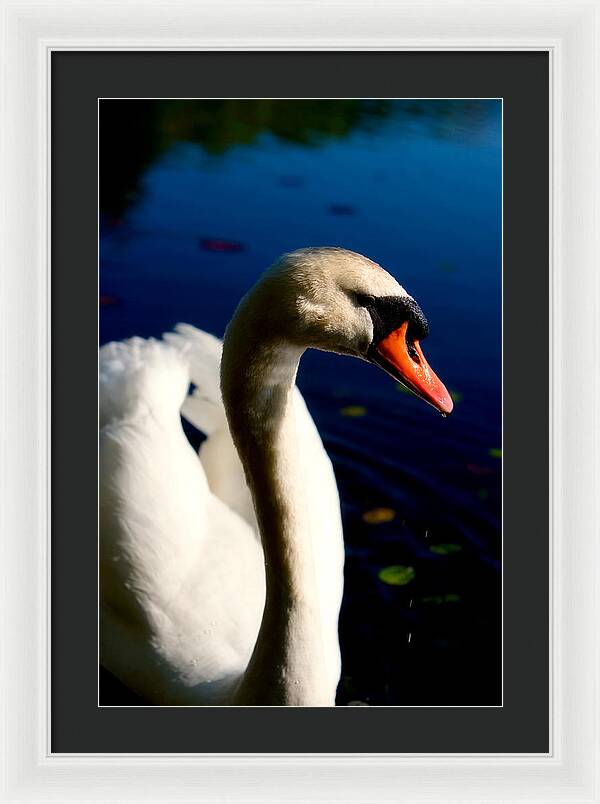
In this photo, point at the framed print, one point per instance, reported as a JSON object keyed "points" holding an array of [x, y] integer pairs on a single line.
{"points": [[443, 186], [404, 604]]}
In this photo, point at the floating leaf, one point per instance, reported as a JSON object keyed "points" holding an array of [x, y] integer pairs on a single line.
{"points": [[441, 643], [341, 209], [475, 469], [457, 396], [291, 181], [445, 549], [378, 515], [495, 452], [353, 411], [396, 575], [220, 245], [447, 266], [451, 597]]}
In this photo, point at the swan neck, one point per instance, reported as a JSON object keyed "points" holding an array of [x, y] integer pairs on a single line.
{"points": [[260, 411], [258, 384]]}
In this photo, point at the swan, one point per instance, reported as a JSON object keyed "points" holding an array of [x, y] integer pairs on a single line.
{"points": [[221, 574]]}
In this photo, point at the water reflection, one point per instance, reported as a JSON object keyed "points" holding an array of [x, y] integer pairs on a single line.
{"points": [[133, 134]]}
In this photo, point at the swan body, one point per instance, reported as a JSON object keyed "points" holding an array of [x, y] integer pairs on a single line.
{"points": [[183, 582], [222, 573]]}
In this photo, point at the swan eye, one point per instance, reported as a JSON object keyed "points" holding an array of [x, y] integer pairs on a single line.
{"points": [[365, 300], [410, 348], [390, 312]]}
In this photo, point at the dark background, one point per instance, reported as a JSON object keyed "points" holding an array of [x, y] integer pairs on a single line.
{"points": [[521, 725]]}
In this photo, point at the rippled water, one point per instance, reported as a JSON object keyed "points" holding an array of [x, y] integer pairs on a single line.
{"points": [[199, 199]]}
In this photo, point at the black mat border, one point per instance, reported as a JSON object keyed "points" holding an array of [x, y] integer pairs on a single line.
{"points": [[522, 80]]}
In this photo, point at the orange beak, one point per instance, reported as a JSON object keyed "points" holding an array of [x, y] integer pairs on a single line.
{"points": [[405, 362]]}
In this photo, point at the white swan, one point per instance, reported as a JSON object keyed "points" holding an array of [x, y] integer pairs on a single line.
{"points": [[196, 608]]}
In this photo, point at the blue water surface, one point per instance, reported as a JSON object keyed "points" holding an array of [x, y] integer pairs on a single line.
{"points": [[190, 220]]}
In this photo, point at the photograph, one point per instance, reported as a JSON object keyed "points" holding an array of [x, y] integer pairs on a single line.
{"points": [[300, 401]]}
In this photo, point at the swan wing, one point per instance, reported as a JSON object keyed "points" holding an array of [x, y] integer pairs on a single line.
{"points": [[203, 408], [181, 575], [323, 503]]}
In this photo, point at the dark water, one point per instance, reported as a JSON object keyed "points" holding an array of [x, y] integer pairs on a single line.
{"points": [[199, 197]]}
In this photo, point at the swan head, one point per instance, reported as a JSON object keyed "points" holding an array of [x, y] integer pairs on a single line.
{"points": [[340, 301]]}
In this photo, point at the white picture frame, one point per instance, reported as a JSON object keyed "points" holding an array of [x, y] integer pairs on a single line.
{"points": [[570, 32]]}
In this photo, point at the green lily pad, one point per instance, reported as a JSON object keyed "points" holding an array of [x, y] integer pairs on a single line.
{"points": [[445, 549], [353, 411], [495, 452], [451, 597], [396, 575], [378, 515]]}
